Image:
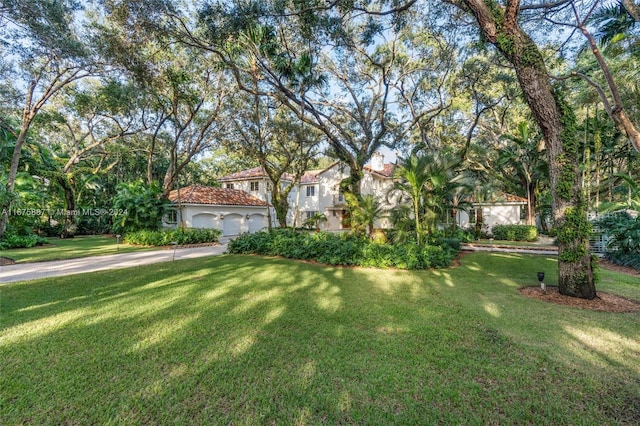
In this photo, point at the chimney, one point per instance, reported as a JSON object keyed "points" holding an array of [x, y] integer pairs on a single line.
{"points": [[377, 161]]}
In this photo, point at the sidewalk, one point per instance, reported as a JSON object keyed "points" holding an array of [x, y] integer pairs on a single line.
{"points": [[36, 270]]}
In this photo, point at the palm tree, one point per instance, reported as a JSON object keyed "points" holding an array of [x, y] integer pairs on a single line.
{"points": [[367, 212], [444, 179], [429, 180], [412, 177], [615, 22], [526, 160]]}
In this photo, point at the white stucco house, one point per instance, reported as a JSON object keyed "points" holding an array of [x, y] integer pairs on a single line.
{"points": [[318, 191], [499, 209], [233, 211], [243, 202]]}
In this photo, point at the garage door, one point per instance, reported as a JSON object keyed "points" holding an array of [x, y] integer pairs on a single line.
{"points": [[232, 224], [256, 222], [203, 220]]}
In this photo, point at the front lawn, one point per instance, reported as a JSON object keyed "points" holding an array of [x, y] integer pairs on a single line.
{"points": [[252, 340], [70, 248]]}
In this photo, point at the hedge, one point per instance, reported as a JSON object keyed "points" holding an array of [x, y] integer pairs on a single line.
{"points": [[166, 237], [11, 241], [343, 249]]}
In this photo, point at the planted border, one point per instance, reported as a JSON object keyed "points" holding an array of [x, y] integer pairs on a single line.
{"points": [[165, 237], [343, 249]]}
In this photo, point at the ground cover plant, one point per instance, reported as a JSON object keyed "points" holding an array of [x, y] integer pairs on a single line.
{"points": [[345, 249], [252, 340], [70, 248]]}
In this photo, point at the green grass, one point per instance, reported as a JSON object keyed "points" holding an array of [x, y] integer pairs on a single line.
{"points": [[251, 340], [70, 248]]}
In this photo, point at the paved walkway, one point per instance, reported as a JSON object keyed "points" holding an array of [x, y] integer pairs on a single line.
{"points": [[510, 249], [36, 270]]}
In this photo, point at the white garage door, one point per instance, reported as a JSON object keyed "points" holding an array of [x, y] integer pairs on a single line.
{"points": [[256, 222], [203, 220], [232, 224]]}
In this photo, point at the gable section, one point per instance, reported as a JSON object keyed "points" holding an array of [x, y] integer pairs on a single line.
{"points": [[386, 172]]}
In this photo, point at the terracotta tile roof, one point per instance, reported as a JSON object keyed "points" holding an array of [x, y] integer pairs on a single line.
{"points": [[198, 194], [310, 176], [387, 171], [255, 173]]}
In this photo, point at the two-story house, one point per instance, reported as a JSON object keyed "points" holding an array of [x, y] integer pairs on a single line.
{"points": [[318, 191]]}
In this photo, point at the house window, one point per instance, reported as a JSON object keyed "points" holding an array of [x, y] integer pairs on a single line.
{"points": [[172, 216], [341, 197], [472, 216], [229, 186], [311, 191], [255, 186], [311, 213]]}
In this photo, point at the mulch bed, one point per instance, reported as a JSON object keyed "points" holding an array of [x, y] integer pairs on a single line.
{"points": [[4, 261], [618, 268], [604, 302]]}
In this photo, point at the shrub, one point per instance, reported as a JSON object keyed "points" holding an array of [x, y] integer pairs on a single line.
{"points": [[166, 237], [138, 207], [515, 232], [623, 231], [460, 234], [343, 249], [10, 241]]}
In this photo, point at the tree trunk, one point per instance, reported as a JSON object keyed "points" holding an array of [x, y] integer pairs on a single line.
{"points": [[13, 169], [556, 120], [531, 205], [280, 205], [70, 203]]}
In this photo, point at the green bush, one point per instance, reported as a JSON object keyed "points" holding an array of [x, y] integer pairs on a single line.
{"points": [[166, 237], [515, 232], [138, 207], [623, 232], [10, 241], [343, 249]]}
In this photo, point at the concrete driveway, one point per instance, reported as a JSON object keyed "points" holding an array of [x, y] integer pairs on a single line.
{"points": [[33, 271]]}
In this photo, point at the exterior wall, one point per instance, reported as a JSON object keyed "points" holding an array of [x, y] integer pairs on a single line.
{"points": [[379, 187], [329, 201], [499, 214], [264, 194], [224, 218]]}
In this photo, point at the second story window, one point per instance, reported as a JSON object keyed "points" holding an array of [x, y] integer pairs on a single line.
{"points": [[311, 191], [254, 186], [229, 186]]}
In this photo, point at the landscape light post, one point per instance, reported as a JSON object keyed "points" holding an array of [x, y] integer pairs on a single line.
{"points": [[541, 279]]}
